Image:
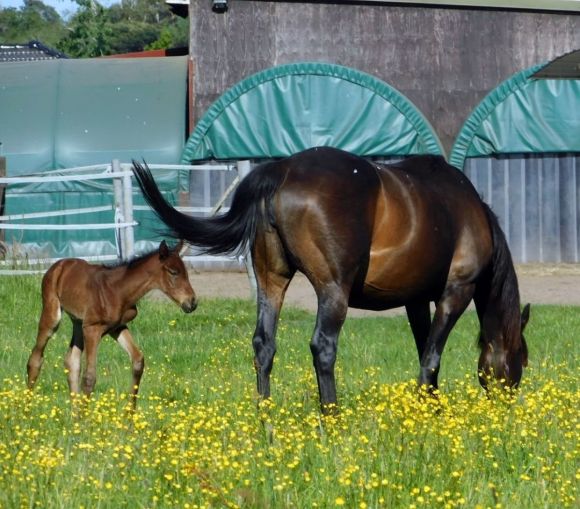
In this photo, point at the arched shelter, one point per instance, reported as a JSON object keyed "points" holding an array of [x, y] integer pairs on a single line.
{"points": [[521, 149], [286, 109]]}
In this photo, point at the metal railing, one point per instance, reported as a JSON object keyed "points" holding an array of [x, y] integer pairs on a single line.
{"points": [[121, 207]]}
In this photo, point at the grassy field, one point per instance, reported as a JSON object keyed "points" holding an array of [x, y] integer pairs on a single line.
{"points": [[198, 439]]}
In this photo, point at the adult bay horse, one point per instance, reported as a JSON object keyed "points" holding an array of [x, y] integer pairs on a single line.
{"points": [[373, 237], [101, 300]]}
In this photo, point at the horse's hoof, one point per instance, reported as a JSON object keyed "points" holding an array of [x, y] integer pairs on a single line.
{"points": [[330, 409]]}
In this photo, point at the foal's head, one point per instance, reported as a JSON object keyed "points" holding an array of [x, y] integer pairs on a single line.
{"points": [[504, 358], [173, 280]]}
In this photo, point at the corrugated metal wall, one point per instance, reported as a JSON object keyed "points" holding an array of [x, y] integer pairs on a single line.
{"points": [[537, 199]]}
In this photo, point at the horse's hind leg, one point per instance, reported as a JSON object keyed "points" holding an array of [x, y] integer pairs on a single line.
{"points": [[270, 296], [47, 326], [92, 335], [419, 316], [125, 340], [273, 275], [332, 310]]}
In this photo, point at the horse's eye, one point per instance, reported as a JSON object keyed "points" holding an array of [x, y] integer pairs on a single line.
{"points": [[173, 272]]}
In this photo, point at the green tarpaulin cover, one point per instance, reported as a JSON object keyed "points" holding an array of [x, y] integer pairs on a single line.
{"points": [[66, 113], [523, 115], [289, 108]]}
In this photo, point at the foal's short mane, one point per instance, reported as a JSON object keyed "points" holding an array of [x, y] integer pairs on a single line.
{"points": [[131, 263], [504, 285]]}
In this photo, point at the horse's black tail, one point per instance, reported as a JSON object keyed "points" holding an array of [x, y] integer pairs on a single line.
{"points": [[224, 234]]}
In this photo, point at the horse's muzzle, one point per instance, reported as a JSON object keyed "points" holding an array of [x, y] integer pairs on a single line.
{"points": [[189, 306]]}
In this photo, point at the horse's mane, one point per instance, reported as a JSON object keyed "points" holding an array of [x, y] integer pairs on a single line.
{"points": [[504, 284]]}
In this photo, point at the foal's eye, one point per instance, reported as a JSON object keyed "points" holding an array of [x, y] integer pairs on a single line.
{"points": [[173, 272]]}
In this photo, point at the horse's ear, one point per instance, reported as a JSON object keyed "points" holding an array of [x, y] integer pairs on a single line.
{"points": [[524, 353], [163, 250], [525, 316]]}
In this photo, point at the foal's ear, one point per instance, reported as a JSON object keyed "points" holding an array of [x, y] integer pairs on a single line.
{"points": [[163, 250], [525, 316]]}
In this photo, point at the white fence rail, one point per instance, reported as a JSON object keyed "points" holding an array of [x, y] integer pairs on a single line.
{"points": [[121, 207]]}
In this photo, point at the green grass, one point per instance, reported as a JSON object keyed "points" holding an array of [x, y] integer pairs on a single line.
{"points": [[198, 439]]}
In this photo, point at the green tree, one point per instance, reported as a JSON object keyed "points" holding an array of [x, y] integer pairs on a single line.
{"points": [[89, 31], [146, 24], [173, 35], [132, 36], [33, 21], [145, 11], [126, 26]]}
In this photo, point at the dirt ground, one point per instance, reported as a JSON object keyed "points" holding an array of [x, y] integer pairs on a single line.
{"points": [[539, 284]]}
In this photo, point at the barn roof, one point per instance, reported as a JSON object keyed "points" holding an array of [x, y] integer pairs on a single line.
{"points": [[30, 51], [286, 109]]}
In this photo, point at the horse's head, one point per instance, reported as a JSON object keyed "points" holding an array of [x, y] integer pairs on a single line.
{"points": [[174, 280], [502, 360]]}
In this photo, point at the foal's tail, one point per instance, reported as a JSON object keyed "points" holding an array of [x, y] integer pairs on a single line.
{"points": [[224, 234]]}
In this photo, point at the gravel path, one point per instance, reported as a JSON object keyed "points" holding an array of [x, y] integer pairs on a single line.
{"points": [[539, 284]]}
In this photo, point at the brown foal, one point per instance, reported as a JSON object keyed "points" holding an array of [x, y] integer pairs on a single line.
{"points": [[101, 300]]}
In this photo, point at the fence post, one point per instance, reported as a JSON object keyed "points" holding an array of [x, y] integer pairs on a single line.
{"points": [[128, 214], [119, 216], [245, 167], [2, 188]]}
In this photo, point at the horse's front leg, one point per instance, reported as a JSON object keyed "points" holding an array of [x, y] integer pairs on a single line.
{"points": [[448, 309], [332, 309], [125, 340]]}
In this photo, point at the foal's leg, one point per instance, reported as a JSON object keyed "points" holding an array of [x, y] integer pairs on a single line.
{"points": [[125, 340], [47, 326], [332, 310], [449, 308], [72, 360], [92, 336]]}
